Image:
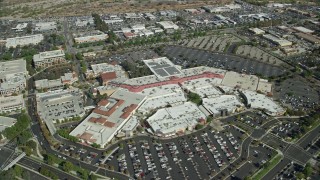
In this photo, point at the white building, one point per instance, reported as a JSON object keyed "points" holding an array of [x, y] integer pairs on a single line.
{"points": [[45, 26], [170, 121], [20, 27], [50, 85], [12, 76], [279, 41], [49, 58], [257, 31], [168, 25], [108, 118], [261, 101], [84, 21], [222, 105], [303, 30], [11, 103], [24, 40], [91, 38]]}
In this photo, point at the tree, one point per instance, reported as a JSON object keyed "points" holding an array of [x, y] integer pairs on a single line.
{"points": [[307, 171], [67, 166], [195, 98], [199, 126], [18, 170]]}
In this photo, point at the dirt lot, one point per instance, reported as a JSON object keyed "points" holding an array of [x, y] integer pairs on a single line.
{"points": [[48, 8]]}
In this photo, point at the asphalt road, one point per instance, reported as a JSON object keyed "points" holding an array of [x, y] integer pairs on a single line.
{"points": [[34, 165]]}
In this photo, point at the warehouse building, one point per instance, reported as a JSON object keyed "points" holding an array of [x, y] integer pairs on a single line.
{"points": [[309, 37], [278, 41]]}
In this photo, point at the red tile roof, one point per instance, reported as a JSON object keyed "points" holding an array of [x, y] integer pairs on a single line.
{"points": [[110, 111], [103, 102], [107, 76], [128, 110], [87, 136], [97, 120], [109, 124]]}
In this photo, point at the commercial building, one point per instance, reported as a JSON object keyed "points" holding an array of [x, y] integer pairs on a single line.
{"points": [[162, 96], [308, 37], [45, 26], [204, 87], [278, 41], [84, 21], [106, 72], [262, 102], [132, 16], [108, 118], [90, 37], [303, 30], [220, 9], [240, 81], [222, 105], [167, 25], [149, 16], [49, 58], [12, 76], [11, 103], [257, 31], [55, 84], [48, 85], [6, 122], [24, 40], [168, 13], [129, 128], [175, 120], [162, 67], [20, 27], [59, 105]]}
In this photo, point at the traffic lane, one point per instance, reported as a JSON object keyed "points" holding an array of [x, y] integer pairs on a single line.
{"points": [[278, 168], [309, 138], [34, 165], [30, 174]]}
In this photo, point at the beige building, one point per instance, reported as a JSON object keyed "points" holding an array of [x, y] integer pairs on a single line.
{"points": [[49, 58]]}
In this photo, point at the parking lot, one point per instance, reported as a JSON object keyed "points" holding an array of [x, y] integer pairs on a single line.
{"points": [[188, 57], [258, 54], [286, 130], [296, 93], [212, 43], [128, 56], [195, 156]]}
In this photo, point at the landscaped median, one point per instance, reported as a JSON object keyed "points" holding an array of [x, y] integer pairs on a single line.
{"points": [[267, 167]]}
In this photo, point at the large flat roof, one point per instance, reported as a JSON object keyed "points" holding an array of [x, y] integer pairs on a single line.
{"points": [[162, 67], [223, 102], [174, 119], [243, 81], [12, 67], [106, 120], [261, 101], [48, 54], [11, 101]]}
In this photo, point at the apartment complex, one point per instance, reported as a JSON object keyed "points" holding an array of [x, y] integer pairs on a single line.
{"points": [[49, 58]]}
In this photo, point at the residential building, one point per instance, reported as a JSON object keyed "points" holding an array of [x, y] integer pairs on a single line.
{"points": [[49, 58]]}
